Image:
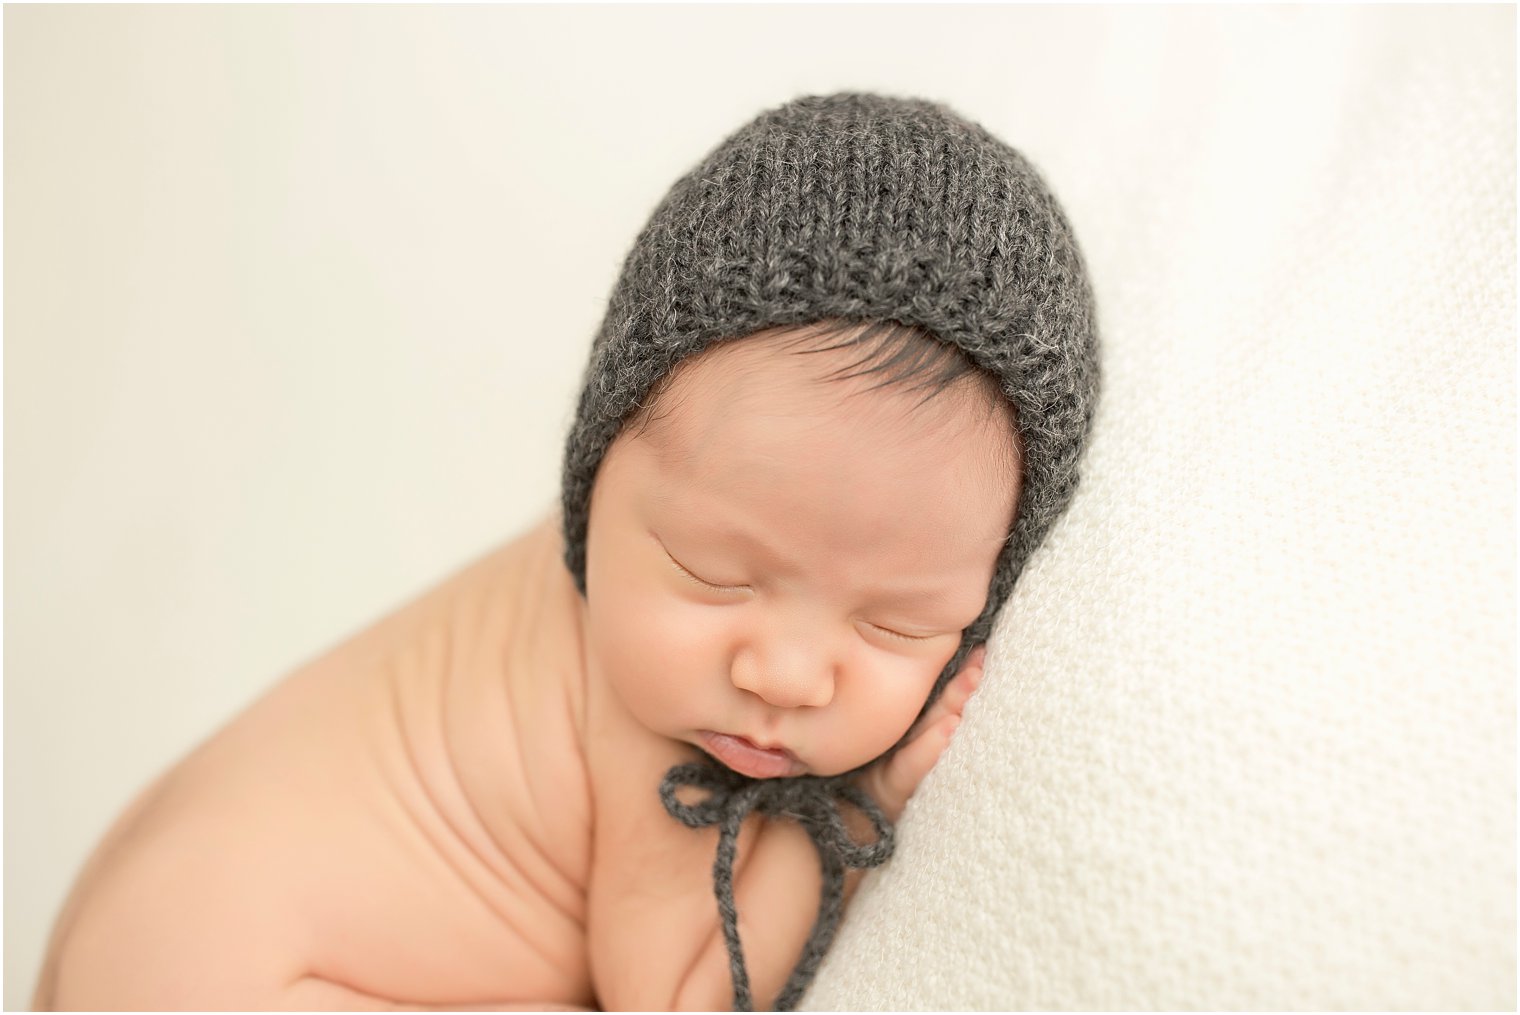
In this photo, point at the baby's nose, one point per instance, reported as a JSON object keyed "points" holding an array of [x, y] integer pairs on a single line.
{"points": [[794, 686]]}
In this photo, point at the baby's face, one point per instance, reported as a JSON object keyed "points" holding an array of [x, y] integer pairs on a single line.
{"points": [[834, 548]]}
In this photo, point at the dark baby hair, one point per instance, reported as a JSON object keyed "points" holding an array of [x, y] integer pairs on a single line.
{"points": [[900, 355]]}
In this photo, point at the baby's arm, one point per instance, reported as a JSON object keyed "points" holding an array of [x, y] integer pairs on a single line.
{"points": [[650, 950], [316, 994], [167, 920]]}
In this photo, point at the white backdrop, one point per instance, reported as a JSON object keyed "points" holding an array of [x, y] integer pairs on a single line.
{"points": [[296, 303]]}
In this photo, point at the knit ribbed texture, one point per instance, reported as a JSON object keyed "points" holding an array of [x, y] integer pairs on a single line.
{"points": [[856, 206]]}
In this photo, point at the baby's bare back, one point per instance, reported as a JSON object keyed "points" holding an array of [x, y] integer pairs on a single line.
{"points": [[404, 821]]}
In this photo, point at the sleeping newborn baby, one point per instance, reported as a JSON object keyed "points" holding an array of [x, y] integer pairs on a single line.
{"points": [[838, 398]]}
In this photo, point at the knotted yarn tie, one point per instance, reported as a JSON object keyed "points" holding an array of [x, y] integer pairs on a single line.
{"points": [[811, 801]]}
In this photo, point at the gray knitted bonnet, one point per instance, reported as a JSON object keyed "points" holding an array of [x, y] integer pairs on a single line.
{"points": [[867, 207]]}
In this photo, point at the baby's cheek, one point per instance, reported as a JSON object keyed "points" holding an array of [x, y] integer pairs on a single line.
{"points": [[884, 715], [655, 653]]}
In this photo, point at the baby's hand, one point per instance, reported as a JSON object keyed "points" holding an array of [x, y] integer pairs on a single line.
{"points": [[892, 782]]}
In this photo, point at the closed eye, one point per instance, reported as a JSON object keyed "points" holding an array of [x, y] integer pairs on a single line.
{"points": [[904, 637], [740, 588], [705, 584]]}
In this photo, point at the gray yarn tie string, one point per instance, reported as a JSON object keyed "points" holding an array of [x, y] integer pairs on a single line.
{"points": [[811, 801]]}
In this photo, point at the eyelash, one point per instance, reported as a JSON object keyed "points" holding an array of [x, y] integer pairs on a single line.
{"points": [[731, 588], [699, 581], [903, 637]]}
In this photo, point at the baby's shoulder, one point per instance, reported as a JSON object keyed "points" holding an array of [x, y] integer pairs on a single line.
{"points": [[387, 816]]}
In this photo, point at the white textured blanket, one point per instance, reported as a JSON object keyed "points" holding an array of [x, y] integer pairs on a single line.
{"points": [[1247, 738]]}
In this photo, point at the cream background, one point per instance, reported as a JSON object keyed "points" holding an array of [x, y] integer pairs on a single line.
{"points": [[296, 306]]}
